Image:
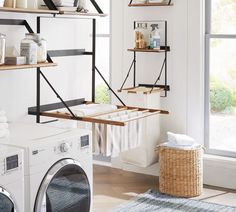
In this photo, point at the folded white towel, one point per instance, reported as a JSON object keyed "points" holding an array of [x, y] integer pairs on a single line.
{"points": [[3, 119], [4, 133], [179, 139], [4, 126]]}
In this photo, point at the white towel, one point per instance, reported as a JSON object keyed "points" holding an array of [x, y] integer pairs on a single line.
{"points": [[3, 119], [180, 139], [4, 133]]}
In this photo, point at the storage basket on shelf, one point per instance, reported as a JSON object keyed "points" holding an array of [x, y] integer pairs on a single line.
{"points": [[181, 171]]}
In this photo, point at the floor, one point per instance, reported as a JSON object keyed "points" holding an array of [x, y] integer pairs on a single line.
{"points": [[113, 187]]}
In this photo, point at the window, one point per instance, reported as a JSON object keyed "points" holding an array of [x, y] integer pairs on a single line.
{"points": [[103, 52], [221, 77]]}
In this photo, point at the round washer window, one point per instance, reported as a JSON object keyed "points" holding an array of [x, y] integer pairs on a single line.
{"points": [[68, 191], [6, 204]]}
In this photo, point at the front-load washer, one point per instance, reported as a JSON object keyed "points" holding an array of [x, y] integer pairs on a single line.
{"points": [[11, 179], [58, 167]]}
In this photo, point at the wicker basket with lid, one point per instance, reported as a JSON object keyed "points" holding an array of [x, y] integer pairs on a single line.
{"points": [[181, 171]]}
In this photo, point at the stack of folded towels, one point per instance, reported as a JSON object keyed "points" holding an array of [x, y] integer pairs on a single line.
{"points": [[180, 141], [4, 131]]}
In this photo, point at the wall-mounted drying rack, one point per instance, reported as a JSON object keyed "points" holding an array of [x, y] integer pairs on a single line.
{"points": [[164, 49], [51, 109]]}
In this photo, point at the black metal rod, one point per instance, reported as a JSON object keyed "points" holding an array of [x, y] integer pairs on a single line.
{"points": [[130, 1], [169, 2], [134, 69], [38, 83], [94, 60], [99, 10], [127, 76], [109, 87], [159, 77], [166, 76], [38, 96], [58, 96], [66, 52]]}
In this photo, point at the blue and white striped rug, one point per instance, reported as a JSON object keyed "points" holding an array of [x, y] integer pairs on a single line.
{"points": [[152, 201]]}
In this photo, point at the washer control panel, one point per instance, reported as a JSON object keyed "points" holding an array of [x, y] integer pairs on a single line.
{"points": [[64, 147]]}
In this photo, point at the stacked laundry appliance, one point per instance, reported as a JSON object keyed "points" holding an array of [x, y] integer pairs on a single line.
{"points": [[57, 167]]}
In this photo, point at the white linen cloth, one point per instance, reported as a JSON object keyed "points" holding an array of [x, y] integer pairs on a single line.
{"points": [[180, 141]]}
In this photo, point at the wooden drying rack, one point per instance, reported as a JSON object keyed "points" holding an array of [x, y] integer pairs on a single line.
{"points": [[52, 110]]}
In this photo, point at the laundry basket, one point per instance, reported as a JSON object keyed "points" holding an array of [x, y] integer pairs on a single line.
{"points": [[181, 171]]}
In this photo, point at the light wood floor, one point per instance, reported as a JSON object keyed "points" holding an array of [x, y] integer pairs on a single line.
{"points": [[113, 187]]}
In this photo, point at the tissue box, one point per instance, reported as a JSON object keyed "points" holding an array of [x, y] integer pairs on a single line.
{"points": [[15, 60]]}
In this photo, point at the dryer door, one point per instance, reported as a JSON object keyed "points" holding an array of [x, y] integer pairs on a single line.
{"points": [[65, 188], [6, 202]]}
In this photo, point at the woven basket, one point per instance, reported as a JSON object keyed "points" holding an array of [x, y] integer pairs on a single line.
{"points": [[181, 171]]}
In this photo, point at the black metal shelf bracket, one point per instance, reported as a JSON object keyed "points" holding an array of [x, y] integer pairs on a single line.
{"points": [[51, 6]]}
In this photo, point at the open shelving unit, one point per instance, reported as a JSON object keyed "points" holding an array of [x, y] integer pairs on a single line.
{"points": [[163, 50], [49, 110]]}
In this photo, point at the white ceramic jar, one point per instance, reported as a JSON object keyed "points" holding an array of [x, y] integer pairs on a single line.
{"points": [[42, 48], [29, 49], [21, 3]]}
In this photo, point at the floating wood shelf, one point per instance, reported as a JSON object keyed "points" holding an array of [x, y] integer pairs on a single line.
{"points": [[150, 5], [15, 67], [147, 50], [36, 11]]}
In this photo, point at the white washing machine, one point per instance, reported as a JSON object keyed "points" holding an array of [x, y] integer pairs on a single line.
{"points": [[11, 179], [58, 167]]}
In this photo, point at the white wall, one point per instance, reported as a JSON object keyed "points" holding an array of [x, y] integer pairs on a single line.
{"points": [[185, 63], [71, 78]]}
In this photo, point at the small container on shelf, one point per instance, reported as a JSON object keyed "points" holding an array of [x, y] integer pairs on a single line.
{"points": [[141, 36], [29, 49], [9, 3]]}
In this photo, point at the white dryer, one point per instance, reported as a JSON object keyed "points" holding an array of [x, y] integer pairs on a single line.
{"points": [[58, 167], [11, 179]]}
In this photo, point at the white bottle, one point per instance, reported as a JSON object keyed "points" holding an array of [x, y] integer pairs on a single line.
{"points": [[155, 37], [21, 3]]}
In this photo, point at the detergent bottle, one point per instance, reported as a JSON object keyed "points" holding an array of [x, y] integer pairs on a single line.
{"points": [[155, 38]]}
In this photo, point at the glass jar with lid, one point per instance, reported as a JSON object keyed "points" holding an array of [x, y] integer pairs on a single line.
{"points": [[42, 48], [29, 49]]}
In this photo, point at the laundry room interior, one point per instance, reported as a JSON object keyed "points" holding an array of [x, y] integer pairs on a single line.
{"points": [[117, 105]]}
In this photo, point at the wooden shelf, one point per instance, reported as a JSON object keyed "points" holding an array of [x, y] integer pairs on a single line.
{"points": [[147, 50], [19, 10], [15, 67], [151, 5], [143, 90]]}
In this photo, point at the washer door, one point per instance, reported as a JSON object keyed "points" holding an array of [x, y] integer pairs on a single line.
{"points": [[6, 202], [65, 188]]}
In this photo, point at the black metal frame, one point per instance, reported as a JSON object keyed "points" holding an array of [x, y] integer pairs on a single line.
{"points": [[169, 2], [166, 48], [51, 5], [65, 53]]}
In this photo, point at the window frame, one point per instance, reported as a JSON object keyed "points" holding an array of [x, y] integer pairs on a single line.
{"points": [[208, 37]]}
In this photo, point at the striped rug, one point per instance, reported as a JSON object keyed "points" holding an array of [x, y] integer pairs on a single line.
{"points": [[153, 201]]}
